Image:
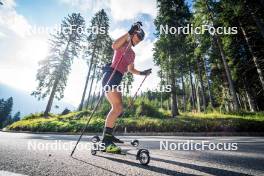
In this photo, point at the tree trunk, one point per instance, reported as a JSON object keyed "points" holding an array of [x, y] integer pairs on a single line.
{"points": [[183, 92], [161, 90], [174, 106], [192, 88], [85, 87], [87, 78], [202, 84], [91, 86], [196, 86], [228, 75], [260, 73], [94, 93], [239, 101], [169, 99], [256, 19], [100, 93], [251, 102], [56, 82], [227, 70], [226, 100], [209, 85], [51, 97], [244, 102]]}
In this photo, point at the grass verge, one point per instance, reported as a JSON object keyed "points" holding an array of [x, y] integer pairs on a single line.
{"points": [[186, 122]]}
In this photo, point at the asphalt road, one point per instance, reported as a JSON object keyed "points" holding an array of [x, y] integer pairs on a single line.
{"points": [[48, 154]]}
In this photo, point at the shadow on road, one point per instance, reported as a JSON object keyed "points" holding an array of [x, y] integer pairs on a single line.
{"points": [[209, 170], [150, 168], [116, 173]]}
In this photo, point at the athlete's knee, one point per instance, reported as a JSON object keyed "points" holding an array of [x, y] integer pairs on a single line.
{"points": [[117, 109]]}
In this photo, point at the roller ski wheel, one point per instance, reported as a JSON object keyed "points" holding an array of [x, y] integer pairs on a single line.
{"points": [[143, 156], [95, 139], [135, 143]]}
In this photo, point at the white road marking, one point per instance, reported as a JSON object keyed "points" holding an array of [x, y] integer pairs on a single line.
{"points": [[7, 173]]}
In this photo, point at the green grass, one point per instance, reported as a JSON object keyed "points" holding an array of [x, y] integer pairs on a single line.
{"points": [[214, 115], [186, 122]]}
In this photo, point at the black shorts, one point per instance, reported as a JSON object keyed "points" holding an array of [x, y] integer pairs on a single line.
{"points": [[114, 82]]}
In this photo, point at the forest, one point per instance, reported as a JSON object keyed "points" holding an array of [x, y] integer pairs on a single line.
{"points": [[223, 72]]}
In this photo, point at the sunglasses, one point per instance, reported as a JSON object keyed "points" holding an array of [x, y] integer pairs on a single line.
{"points": [[140, 36]]}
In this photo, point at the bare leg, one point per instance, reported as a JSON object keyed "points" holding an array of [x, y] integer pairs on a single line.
{"points": [[115, 99]]}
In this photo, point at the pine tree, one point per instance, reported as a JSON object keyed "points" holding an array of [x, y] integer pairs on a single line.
{"points": [[169, 49], [98, 43], [245, 48], [54, 70], [2, 105], [206, 9], [5, 111], [16, 117]]}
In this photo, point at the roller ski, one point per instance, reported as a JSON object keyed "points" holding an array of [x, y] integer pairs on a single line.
{"points": [[108, 146]]}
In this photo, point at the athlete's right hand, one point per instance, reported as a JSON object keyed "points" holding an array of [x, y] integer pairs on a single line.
{"points": [[135, 27]]}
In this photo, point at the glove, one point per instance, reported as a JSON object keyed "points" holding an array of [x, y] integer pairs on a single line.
{"points": [[135, 27], [146, 72]]}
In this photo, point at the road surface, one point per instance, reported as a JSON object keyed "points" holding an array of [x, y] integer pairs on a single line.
{"points": [[48, 154]]}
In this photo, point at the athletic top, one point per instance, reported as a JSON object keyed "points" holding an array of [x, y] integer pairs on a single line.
{"points": [[127, 59]]}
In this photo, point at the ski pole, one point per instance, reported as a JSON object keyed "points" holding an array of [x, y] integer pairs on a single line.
{"points": [[134, 97], [140, 86]]}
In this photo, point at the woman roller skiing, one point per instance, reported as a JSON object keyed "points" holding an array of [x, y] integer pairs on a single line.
{"points": [[123, 50]]}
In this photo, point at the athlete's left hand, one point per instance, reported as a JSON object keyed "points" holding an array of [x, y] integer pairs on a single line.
{"points": [[146, 72]]}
